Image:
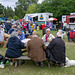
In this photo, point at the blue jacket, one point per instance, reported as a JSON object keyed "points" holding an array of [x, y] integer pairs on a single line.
{"points": [[14, 47], [22, 36], [11, 30]]}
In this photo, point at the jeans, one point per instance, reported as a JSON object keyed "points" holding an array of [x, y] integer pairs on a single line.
{"points": [[68, 37]]}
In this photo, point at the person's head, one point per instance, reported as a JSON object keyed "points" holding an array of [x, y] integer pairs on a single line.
{"points": [[29, 21], [14, 33], [64, 21], [24, 21], [0, 27], [72, 28], [19, 31], [15, 27], [48, 31], [59, 34], [8, 21], [35, 34], [2, 23], [59, 21], [12, 26], [49, 21], [18, 27]]}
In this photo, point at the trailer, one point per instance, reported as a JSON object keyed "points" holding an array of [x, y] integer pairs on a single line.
{"points": [[70, 20], [41, 18]]}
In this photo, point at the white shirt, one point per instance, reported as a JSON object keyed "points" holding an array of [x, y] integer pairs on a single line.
{"points": [[1, 35], [50, 38]]}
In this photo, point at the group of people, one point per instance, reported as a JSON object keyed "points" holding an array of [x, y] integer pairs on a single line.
{"points": [[23, 30], [39, 50], [57, 24]]}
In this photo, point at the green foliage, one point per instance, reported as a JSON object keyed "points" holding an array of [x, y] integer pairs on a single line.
{"points": [[22, 7], [28, 68], [9, 18], [31, 9], [58, 7], [1, 8], [15, 17], [9, 12], [1, 15]]}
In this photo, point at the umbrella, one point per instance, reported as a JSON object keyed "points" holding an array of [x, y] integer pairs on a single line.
{"points": [[52, 19], [21, 20]]}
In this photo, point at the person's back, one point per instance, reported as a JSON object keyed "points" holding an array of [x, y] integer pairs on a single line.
{"points": [[14, 47], [71, 34], [36, 51], [59, 45], [8, 25], [56, 51]]}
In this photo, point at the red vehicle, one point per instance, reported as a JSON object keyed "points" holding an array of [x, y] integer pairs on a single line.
{"points": [[70, 20]]}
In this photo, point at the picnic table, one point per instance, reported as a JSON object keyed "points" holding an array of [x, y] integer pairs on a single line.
{"points": [[23, 57]]}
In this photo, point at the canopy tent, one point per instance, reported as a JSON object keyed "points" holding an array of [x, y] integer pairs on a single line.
{"points": [[52, 19]]}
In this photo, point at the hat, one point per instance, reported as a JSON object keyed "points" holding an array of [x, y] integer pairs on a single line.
{"points": [[35, 33], [47, 29], [59, 34], [72, 28]]}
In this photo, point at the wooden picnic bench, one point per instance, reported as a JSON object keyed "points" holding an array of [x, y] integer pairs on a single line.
{"points": [[22, 58]]}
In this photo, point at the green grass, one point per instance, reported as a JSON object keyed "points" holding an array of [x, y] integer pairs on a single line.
{"points": [[30, 69]]}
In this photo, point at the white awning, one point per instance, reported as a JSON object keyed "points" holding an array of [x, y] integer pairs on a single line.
{"points": [[34, 15]]}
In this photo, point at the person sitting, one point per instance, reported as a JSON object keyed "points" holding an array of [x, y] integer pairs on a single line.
{"points": [[20, 34], [1, 35], [47, 38], [13, 28], [55, 51], [14, 47], [35, 49], [70, 34]]}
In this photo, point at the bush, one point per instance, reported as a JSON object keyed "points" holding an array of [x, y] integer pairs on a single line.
{"points": [[15, 17]]}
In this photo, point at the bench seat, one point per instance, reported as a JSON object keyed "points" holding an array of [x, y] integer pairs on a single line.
{"points": [[23, 58]]}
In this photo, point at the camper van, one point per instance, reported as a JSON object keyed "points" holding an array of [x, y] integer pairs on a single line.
{"points": [[41, 18]]}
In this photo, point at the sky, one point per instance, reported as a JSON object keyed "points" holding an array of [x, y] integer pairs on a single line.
{"points": [[12, 2]]}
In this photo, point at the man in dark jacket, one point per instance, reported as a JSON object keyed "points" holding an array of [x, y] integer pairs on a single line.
{"points": [[14, 47], [56, 50], [8, 26]]}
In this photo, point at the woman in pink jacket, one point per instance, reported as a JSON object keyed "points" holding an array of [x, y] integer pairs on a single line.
{"points": [[24, 26]]}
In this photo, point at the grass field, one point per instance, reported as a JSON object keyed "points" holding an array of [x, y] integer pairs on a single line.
{"points": [[30, 69]]}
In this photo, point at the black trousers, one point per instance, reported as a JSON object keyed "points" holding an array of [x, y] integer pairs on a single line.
{"points": [[5, 60], [24, 31]]}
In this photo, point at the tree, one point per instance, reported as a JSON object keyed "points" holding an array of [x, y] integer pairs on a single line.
{"points": [[1, 15], [31, 9], [9, 12], [9, 18], [1, 8], [22, 7], [58, 7], [15, 17]]}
